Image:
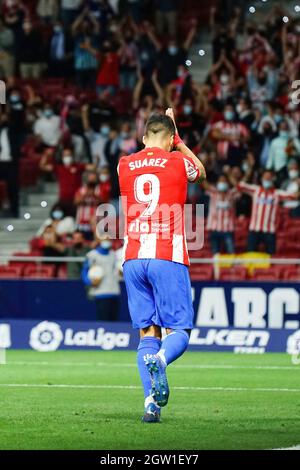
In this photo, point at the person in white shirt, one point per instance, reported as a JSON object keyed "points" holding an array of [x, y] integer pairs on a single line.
{"points": [[48, 127], [292, 185]]}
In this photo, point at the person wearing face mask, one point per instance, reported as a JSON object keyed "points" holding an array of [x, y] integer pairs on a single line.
{"points": [[97, 140], [100, 276], [172, 56], [230, 137], [47, 127], [221, 215], [278, 154], [68, 174], [87, 199], [29, 51], [78, 248], [105, 184], [108, 77], [265, 203], [60, 52], [292, 185], [190, 124], [262, 84]]}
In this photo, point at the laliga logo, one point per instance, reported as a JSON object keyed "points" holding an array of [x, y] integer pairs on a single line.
{"points": [[293, 347], [46, 336]]}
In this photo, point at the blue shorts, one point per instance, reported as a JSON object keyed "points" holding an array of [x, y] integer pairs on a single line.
{"points": [[159, 293]]}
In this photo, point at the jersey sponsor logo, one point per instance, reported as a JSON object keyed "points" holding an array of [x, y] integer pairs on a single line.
{"points": [[148, 162]]}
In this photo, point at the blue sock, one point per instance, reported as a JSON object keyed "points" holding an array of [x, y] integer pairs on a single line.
{"points": [[173, 346], [148, 345]]}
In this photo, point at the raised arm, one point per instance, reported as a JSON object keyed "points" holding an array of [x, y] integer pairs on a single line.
{"points": [[181, 147]]}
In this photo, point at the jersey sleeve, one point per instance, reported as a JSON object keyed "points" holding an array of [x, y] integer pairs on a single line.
{"points": [[191, 170]]}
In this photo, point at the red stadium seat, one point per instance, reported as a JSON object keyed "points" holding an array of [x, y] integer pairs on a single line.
{"points": [[267, 274], [40, 272], [236, 273], [291, 273], [201, 272], [10, 272], [62, 272]]}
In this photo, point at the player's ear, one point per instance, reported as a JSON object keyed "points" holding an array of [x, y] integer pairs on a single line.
{"points": [[172, 142], [144, 139]]}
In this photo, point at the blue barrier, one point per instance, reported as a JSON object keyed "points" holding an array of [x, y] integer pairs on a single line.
{"points": [[216, 304], [45, 336]]}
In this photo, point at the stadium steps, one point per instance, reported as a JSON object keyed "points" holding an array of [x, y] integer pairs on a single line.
{"points": [[25, 230]]}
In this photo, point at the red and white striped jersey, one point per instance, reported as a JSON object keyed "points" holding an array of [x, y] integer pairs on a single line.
{"points": [[86, 211], [264, 206], [153, 186], [221, 211], [233, 130]]}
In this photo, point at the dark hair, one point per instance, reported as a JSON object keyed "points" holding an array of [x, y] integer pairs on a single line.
{"points": [[159, 124]]}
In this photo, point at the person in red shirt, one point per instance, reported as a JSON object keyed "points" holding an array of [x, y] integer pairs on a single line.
{"points": [[153, 186], [108, 78], [68, 174], [87, 199]]}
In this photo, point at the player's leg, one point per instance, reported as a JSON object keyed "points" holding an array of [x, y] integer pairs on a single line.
{"points": [[174, 309], [142, 311]]}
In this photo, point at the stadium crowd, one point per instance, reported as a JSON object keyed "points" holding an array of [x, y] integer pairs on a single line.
{"points": [[84, 75]]}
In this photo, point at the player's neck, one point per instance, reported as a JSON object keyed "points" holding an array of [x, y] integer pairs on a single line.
{"points": [[155, 144]]}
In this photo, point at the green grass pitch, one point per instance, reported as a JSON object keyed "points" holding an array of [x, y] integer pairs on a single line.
{"points": [[93, 400]]}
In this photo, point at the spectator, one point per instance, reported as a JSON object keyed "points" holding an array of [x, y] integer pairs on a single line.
{"points": [[9, 161], [97, 140], [62, 223], [100, 275], [85, 30], [230, 137], [129, 57], [79, 249], [47, 10], [292, 185], [60, 52], [221, 215], [69, 176], [47, 127], [265, 202], [278, 154], [166, 17], [30, 51], [69, 10], [51, 244], [7, 58], [87, 199], [108, 78], [14, 12]]}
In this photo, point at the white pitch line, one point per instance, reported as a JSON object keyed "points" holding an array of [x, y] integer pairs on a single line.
{"points": [[289, 448], [120, 364], [136, 387]]}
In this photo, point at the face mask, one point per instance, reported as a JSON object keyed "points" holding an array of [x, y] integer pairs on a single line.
{"points": [[267, 184], [187, 109], [57, 214], [173, 50], [106, 244], [293, 174], [284, 134], [57, 29], [103, 178], [105, 130], [48, 113], [277, 118], [67, 160], [124, 135], [229, 115], [222, 186], [14, 99], [224, 79], [245, 167], [239, 109]]}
